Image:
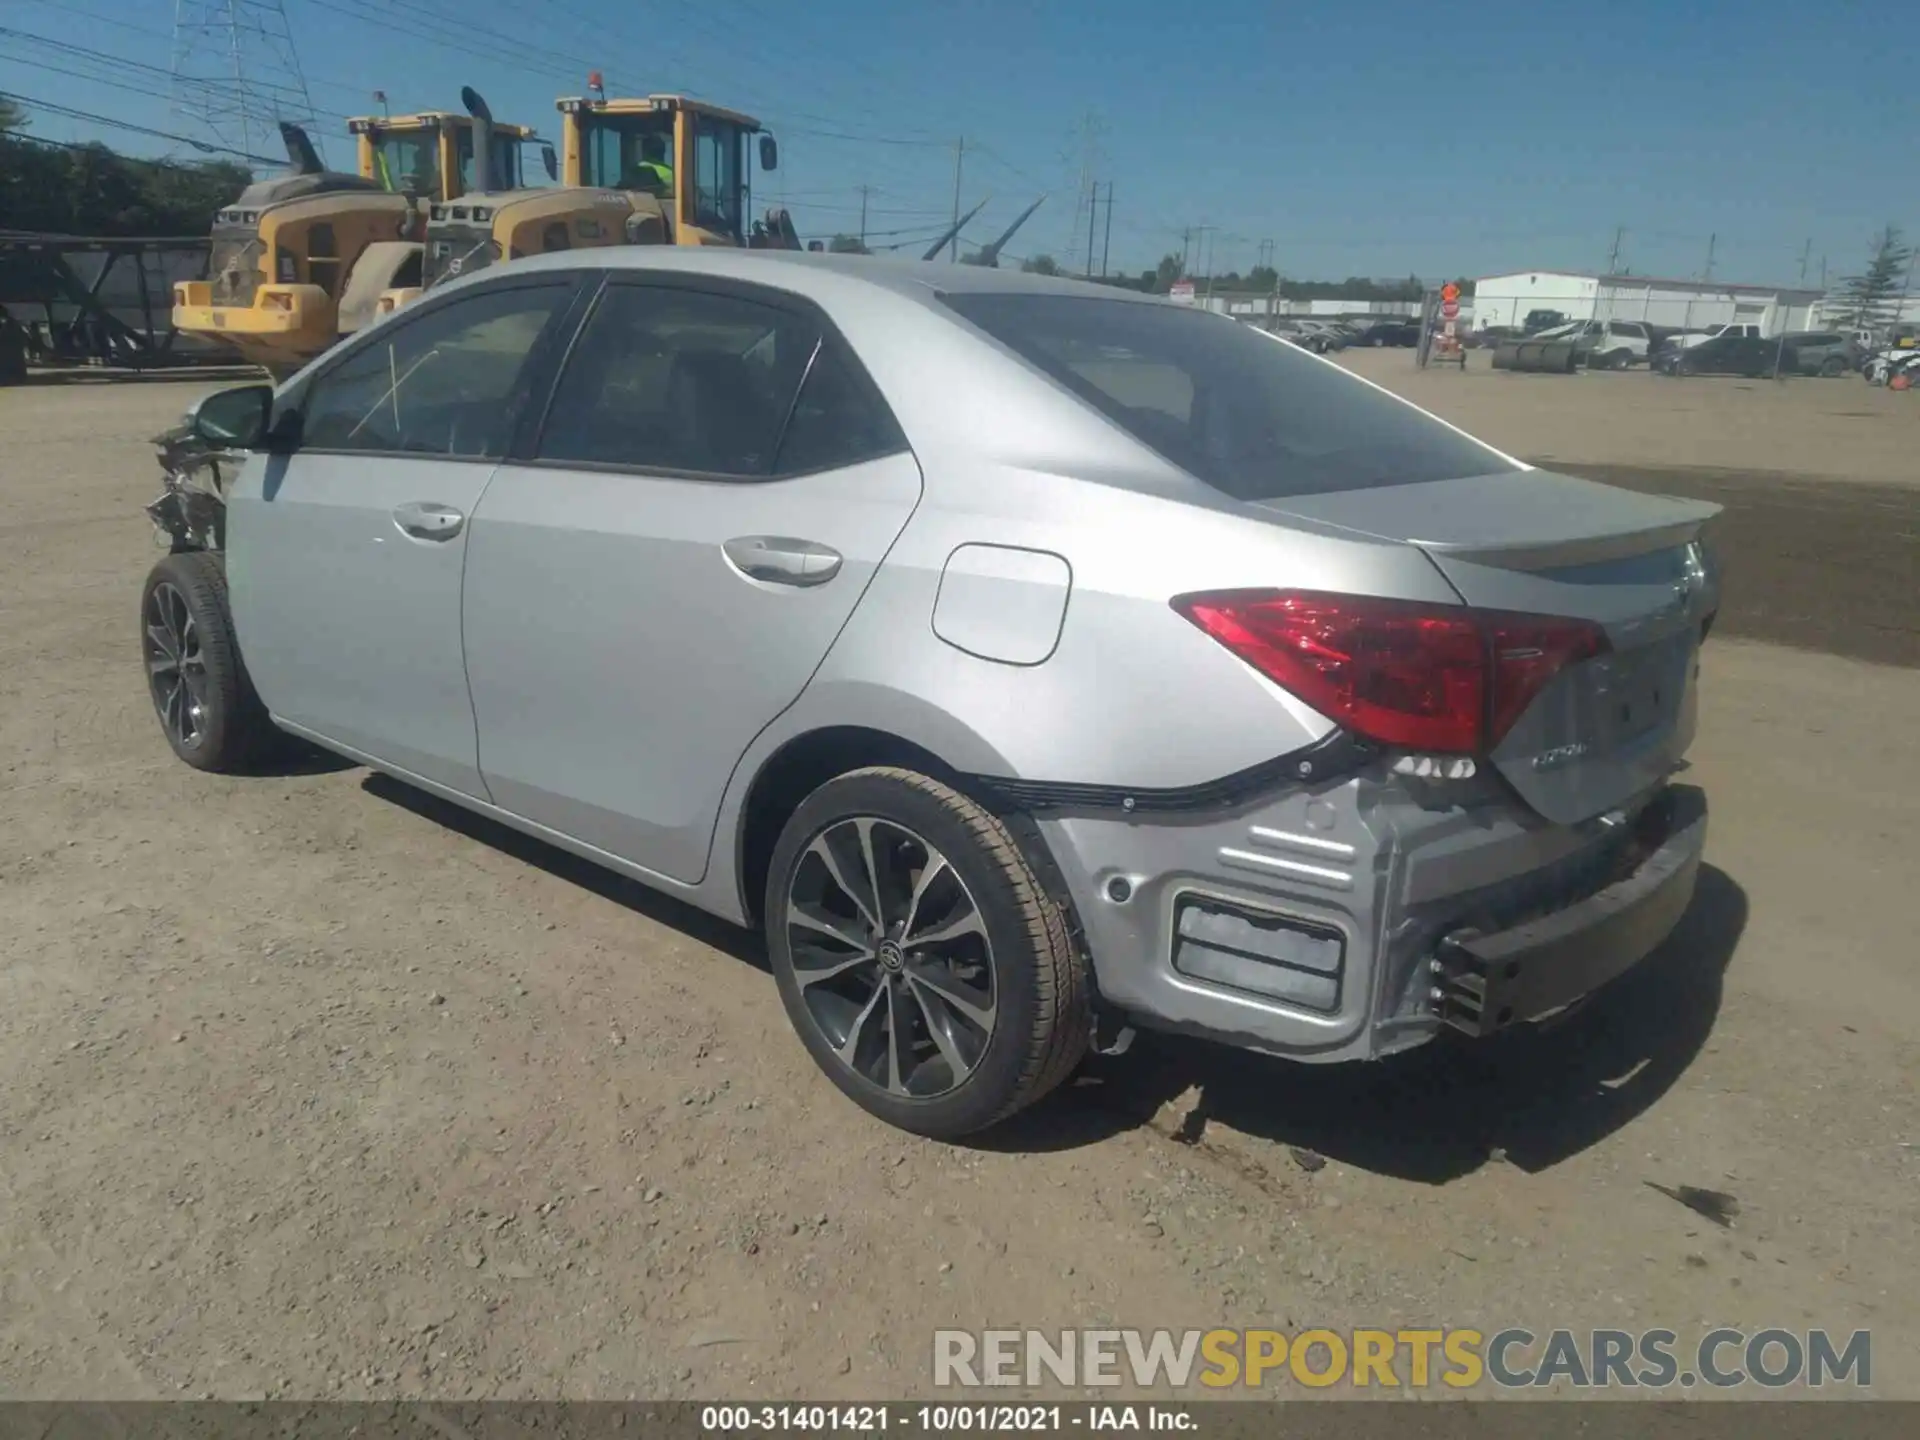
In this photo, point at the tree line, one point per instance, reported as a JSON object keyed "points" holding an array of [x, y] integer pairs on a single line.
{"points": [[56, 188]]}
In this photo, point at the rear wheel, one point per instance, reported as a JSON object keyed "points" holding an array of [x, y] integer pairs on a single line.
{"points": [[206, 705], [918, 955], [1833, 367]]}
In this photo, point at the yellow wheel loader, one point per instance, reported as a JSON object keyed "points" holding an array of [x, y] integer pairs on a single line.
{"points": [[664, 170], [301, 259]]}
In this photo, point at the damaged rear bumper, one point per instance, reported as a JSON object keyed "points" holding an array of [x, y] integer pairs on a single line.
{"points": [[1366, 914], [1488, 980]]}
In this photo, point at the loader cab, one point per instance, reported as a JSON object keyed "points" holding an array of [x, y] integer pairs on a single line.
{"points": [[709, 149], [434, 150]]}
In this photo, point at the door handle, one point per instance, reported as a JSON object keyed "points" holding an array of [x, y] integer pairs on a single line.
{"points": [[424, 520], [782, 560]]}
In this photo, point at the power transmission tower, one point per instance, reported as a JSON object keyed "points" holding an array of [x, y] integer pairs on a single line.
{"points": [[1613, 256], [236, 72]]}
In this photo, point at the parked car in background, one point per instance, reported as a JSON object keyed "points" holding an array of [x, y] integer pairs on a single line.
{"points": [[1538, 320], [1027, 661], [1749, 355], [1900, 363], [1296, 334], [1687, 339], [1330, 335], [1392, 330], [1823, 352], [1489, 336], [1612, 344]]}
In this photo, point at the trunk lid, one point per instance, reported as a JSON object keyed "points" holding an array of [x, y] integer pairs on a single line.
{"points": [[1608, 729]]}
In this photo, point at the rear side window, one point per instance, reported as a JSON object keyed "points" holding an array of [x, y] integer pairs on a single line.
{"points": [[1251, 416], [837, 420], [681, 381]]}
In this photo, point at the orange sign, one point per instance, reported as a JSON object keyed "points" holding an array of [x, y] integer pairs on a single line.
{"points": [[1449, 292]]}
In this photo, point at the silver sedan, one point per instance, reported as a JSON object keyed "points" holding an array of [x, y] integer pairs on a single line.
{"points": [[1030, 661]]}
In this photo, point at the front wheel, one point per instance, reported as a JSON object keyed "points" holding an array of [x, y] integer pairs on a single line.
{"points": [[1833, 367], [918, 955], [206, 705]]}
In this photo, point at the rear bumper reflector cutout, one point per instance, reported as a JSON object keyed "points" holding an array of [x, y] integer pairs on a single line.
{"points": [[1273, 956]]}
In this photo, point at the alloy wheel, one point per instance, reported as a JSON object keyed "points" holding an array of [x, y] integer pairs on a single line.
{"points": [[891, 957], [176, 668]]}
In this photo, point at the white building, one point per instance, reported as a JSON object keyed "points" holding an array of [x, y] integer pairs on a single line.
{"points": [[1248, 306], [1680, 304]]}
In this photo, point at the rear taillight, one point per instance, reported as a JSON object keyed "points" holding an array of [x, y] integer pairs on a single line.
{"points": [[1528, 651], [1441, 678]]}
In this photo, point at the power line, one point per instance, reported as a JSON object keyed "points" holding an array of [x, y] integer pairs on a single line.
{"points": [[48, 107], [69, 10], [867, 139]]}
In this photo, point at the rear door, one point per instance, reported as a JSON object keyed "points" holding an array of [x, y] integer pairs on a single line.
{"points": [[1605, 730], [662, 571], [345, 557]]}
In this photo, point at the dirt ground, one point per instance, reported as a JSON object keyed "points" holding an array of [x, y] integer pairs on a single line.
{"points": [[312, 1087]]}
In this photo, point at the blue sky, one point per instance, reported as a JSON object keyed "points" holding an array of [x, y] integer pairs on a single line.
{"points": [[1378, 138]]}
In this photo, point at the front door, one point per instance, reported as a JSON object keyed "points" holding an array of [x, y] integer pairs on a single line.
{"points": [[709, 496], [345, 557]]}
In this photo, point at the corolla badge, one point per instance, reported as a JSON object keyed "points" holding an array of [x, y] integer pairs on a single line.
{"points": [[1560, 755]]}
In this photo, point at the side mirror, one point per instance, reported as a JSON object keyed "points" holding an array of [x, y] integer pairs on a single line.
{"points": [[769, 153], [233, 419], [550, 162]]}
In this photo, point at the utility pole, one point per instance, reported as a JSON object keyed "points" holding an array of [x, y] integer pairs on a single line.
{"points": [[1106, 242], [959, 155], [1093, 214], [1712, 242], [863, 215], [1089, 191], [1806, 251], [1613, 255], [1206, 250], [1186, 247]]}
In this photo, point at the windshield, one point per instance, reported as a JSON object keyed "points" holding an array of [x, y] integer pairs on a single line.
{"points": [[396, 156], [1254, 417], [618, 148]]}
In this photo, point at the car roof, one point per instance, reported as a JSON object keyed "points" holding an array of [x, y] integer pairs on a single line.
{"points": [[920, 280]]}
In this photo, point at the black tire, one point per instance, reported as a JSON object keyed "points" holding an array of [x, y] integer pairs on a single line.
{"points": [[206, 705], [1041, 994], [1619, 359], [1833, 367]]}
